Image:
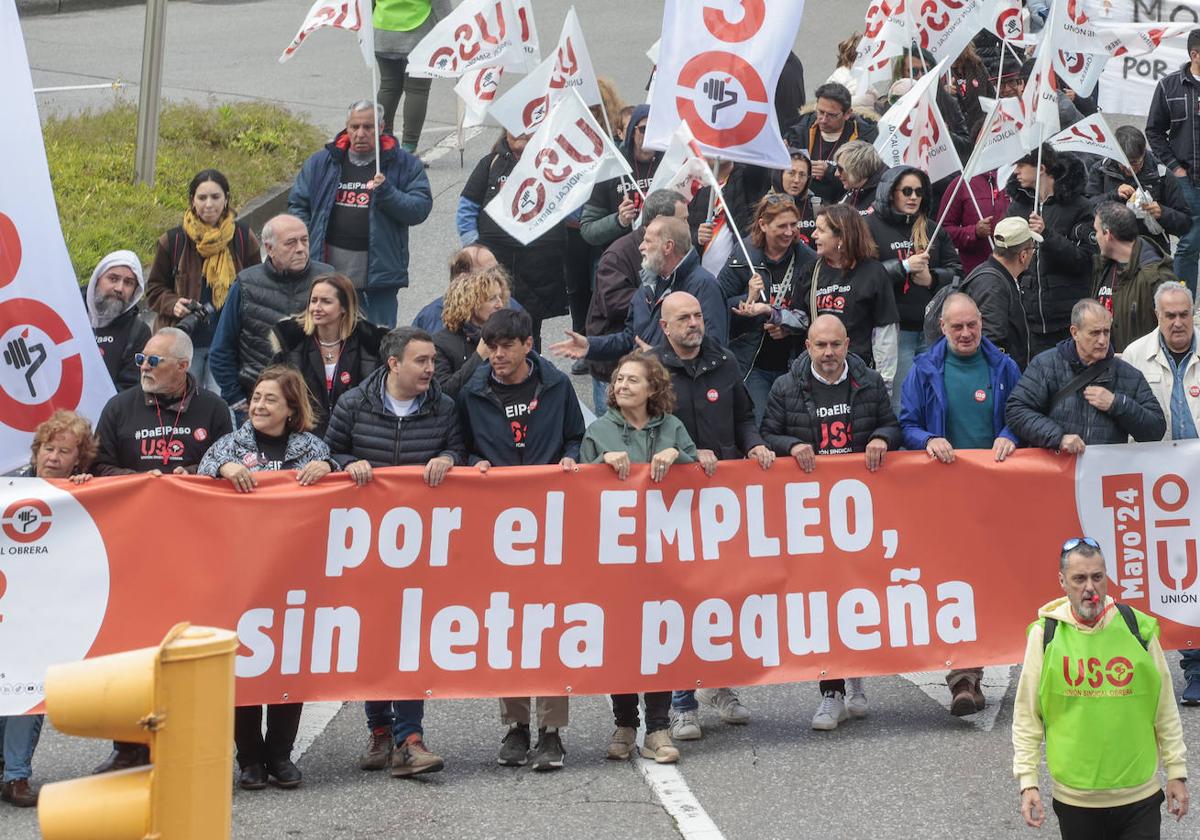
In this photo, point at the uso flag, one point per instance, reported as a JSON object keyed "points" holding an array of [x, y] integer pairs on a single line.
{"points": [[568, 155], [48, 356], [1091, 136], [718, 75]]}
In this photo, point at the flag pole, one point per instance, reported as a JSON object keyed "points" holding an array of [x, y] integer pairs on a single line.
{"points": [[375, 105], [712, 194], [978, 210], [611, 136], [1037, 183], [462, 116], [716, 187], [962, 176]]}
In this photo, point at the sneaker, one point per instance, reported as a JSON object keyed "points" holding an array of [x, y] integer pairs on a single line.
{"points": [[413, 758], [726, 702], [685, 725], [856, 697], [831, 712], [550, 753], [657, 745], [1191, 692], [514, 749], [962, 699], [379, 750], [622, 742]]}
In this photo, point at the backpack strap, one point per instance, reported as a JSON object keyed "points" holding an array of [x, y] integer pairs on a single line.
{"points": [[176, 237], [1048, 628], [1126, 612]]}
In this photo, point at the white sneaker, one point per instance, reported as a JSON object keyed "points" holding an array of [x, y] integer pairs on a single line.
{"points": [[726, 702], [856, 701], [685, 725], [831, 712]]}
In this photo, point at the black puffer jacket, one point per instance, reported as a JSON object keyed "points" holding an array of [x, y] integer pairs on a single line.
{"points": [[537, 269], [791, 415], [1060, 274], [1135, 411], [711, 401], [362, 428], [893, 236], [358, 360], [1176, 219], [457, 359]]}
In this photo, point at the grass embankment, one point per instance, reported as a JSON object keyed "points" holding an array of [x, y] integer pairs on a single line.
{"points": [[91, 166]]}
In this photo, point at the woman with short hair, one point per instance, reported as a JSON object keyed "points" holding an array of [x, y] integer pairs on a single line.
{"points": [[470, 301]]}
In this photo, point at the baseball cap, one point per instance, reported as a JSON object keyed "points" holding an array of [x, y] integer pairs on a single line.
{"points": [[1013, 231]]}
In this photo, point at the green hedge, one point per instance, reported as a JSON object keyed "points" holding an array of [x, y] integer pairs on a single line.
{"points": [[91, 167]]}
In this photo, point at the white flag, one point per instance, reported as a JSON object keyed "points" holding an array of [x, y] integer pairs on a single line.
{"points": [[1003, 19], [945, 27], [1040, 100], [351, 15], [683, 167], [478, 33], [887, 34], [525, 105], [999, 143], [718, 73], [913, 133], [1091, 136], [477, 90], [50, 358], [567, 156]]}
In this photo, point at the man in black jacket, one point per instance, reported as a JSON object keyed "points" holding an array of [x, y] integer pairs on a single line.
{"points": [[1175, 138], [715, 408], [821, 132], [1079, 393], [519, 409], [398, 416], [1111, 181], [830, 402], [112, 305], [260, 297], [995, 287]]}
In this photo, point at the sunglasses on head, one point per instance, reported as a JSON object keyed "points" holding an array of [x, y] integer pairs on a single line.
{"points": [[141, 358], [779, 198], [909, 192], [1075, 542]]}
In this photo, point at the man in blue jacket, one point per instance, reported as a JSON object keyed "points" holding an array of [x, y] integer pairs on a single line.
{"points": [[358, 218], [516, 409], [953, 398]]}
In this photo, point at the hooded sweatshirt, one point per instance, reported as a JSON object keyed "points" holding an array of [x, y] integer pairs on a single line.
{"points": [[893, 234], [119, 337], [1029, 728]]}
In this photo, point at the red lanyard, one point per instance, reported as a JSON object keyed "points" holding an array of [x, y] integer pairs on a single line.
{"points": [[171, 438]]}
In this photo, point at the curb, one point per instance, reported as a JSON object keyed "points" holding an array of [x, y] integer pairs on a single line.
{"points": [[255, 212], [52, 7]]}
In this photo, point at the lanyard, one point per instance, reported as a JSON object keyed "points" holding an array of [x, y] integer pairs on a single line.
{"points": [[171, 438]]}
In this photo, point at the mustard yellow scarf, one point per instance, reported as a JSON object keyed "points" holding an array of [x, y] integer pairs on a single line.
{"points": [[213, 245]]}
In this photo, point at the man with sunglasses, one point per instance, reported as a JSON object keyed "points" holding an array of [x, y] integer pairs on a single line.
{"points": [[1096, 688], [164, 424]]}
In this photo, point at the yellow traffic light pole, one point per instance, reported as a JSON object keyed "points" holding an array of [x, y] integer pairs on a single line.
{"points": [[177, 699]]}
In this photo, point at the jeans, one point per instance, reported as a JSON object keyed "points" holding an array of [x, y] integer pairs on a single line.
{"points": [[599, 396], [19, 737], [394, 81], [283, 721], [1190, 663], [684, 701], [203, 373], [379, 307], [1188, 251], [403, 717], [758, 383], [658, 710], [912, 344]]}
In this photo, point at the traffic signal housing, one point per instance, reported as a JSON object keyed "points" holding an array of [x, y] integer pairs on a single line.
{"points": [[178, 700]]}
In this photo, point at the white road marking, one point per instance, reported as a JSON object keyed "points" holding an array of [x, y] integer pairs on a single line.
{"points": [[669, 788], [449, 143], [312, 723], [996, 679]]}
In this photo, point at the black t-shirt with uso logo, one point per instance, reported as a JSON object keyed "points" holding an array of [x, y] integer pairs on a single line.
{"points": [[833, 416], [862, 298]]}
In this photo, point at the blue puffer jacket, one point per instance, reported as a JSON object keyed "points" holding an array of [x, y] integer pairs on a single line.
{"points": [[923, 398], [402, 201]]}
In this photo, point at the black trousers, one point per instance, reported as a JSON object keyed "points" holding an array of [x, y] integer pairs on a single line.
{"points": [[283, 720], [579, 268], [1135, 821], [658, 710], [394, 81]]}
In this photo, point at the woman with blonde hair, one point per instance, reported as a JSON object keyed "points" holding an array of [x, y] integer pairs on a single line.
{"points": [[639, 428], [470, 301], [329, 343]]}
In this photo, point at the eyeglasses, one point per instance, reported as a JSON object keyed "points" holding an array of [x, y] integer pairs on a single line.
{"points": [[1074, 543], [140, 359], [829, 115], [909, 192]]}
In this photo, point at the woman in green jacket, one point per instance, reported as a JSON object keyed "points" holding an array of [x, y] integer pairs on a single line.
{"points": [[399, 26], [639, 428]]}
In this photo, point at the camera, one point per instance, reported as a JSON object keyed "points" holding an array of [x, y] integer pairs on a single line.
{"points": [[199, 315]]}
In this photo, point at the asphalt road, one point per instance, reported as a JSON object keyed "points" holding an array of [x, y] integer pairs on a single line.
{"points": [[908, 770]]}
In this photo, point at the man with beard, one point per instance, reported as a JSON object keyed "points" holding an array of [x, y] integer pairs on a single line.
{"points": [[112, 304]]}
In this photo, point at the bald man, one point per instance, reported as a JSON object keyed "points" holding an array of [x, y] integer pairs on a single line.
{"points": [[830, 403], [953, 398]]}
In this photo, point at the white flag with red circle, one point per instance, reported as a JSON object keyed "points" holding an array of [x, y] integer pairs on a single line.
{"points": [[717, 71], [1091, 136], [476, 34], [351, 15], [49, 358]]}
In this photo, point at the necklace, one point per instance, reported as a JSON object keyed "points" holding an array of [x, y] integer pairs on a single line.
{"points": [[327, 352]]}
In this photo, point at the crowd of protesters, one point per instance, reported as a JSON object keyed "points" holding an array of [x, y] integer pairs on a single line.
{"points": [[854, 322]]}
